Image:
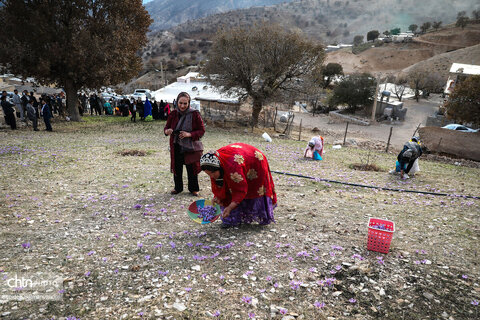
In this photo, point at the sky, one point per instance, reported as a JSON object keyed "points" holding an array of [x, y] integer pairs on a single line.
{"points": [[145, 1]]}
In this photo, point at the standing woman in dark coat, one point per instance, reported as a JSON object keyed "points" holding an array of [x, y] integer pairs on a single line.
{"points": [[155, 111], [185, 128], [161, 108]]}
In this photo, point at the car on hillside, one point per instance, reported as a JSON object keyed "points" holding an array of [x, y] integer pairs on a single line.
{"points": [[459, 127], [142, 94]]}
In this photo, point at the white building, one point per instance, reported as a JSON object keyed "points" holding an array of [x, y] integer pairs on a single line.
{"points": [[197, 87], [458, 73]]}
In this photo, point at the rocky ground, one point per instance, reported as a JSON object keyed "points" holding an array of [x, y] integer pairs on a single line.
{"points": [[76, 206]]}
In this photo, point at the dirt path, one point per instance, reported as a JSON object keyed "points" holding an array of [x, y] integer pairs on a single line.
{"points": [[402, 131], [420, 40]]}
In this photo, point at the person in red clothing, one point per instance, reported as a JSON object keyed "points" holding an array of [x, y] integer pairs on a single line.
{"points": [[241, 183], [185, 128]]}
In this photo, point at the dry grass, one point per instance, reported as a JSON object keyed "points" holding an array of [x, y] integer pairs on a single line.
{"points": [[126, 248], [133, 152]]}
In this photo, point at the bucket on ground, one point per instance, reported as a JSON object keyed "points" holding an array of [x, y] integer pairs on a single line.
{"points": [[266, 137], [380, 233]]}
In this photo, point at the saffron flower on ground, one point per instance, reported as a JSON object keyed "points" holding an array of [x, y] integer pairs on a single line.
{"points": [[247, 299]]}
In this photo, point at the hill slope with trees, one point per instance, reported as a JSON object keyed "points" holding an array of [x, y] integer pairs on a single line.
{"points": [[169, 13]]}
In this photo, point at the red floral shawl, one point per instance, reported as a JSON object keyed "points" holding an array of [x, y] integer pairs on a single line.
{"points": [[246, 174]]}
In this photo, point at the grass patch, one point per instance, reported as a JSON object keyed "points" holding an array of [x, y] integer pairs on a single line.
{"points": [[133, 152], [366, 167], [86, 208]]}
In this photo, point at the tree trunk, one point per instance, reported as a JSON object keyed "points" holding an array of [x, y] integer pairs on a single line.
{"points": [[257, 107], [72, 100]]}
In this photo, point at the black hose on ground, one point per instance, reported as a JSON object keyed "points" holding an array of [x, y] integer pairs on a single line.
{"points": [[375, 187]]}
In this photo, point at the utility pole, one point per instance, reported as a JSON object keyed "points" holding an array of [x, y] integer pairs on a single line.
{"points": [[161, 72], [374, 108]]}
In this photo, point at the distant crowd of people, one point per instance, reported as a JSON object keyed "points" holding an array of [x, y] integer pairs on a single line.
{"points": [[27, 107], [125, 107]]}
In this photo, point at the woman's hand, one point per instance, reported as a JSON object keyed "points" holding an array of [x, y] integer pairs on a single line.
{"points": [[226, 212], [184, 134], [168, 132]]}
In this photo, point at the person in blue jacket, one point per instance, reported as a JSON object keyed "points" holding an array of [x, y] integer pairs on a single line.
{"points": [[411, 151]]}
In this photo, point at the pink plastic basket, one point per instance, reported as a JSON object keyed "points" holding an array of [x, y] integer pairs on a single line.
{"points": [[379, 240]]}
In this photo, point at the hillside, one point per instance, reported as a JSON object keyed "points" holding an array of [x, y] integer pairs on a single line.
{"points": [[169, 13], [441, 63], [187, 44], [435, 51], [333, 21]]}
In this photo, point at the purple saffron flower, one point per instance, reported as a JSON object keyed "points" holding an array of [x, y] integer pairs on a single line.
{"points": [[251, 315], [268, 278], [464, 276], [283, 311], [137, 206], [319, 305], [147, 257], [26, 245], [87, 273], [216, 314], [475, 302], [247, 299], [351, 300], [188, 289]]}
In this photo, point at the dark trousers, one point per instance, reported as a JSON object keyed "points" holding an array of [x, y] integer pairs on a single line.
{"points": [[178, 176], [134, 116], [10, 120], [35, 123], [47, 123]]}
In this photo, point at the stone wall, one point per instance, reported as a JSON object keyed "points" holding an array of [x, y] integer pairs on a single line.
{"points": [[438, 121], [464, 145], [346, 118]]}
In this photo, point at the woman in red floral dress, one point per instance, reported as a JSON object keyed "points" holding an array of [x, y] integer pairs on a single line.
{"points": [[241, 183]]}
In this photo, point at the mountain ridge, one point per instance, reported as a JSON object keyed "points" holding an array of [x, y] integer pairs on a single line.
{"points": [[169, 13], [334, 21]]}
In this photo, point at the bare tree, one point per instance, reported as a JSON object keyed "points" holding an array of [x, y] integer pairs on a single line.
{"points": [[73, 44], [400, 84], [260, 61], [416, 80]]}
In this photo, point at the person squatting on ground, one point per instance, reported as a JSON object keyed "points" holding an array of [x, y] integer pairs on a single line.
{"points": [[241, 183], [185, 128], [8, 112], [411, 151], [314, 149]]}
